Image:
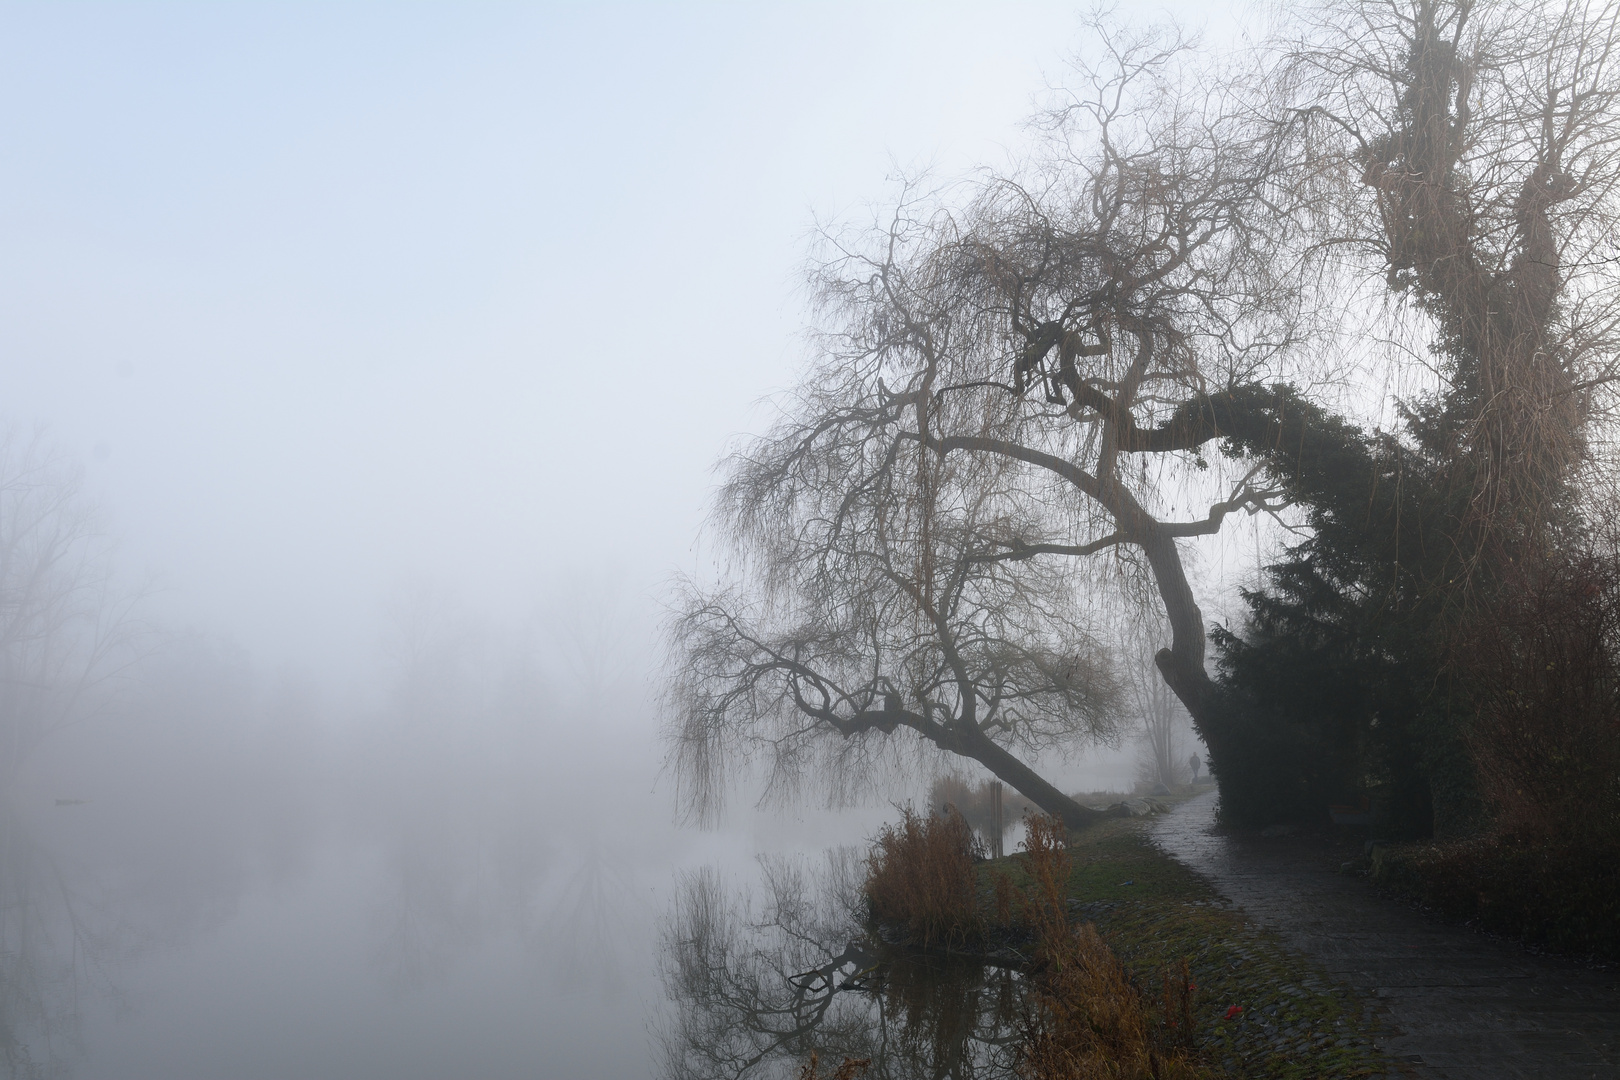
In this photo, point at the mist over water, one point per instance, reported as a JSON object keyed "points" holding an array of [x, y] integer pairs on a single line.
{"points": [[229, 873], [219, 879], [387, 353]]}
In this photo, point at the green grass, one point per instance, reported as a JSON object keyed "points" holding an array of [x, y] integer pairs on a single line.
{"points": [[1154, 912]]}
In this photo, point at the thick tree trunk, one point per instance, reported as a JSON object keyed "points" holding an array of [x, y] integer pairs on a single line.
{"points": [[1182, 664], [1236, 757], [1254, 770], [974, 744]]}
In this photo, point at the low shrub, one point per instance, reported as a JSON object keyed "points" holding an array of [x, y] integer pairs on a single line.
{"points": [[1562, 895], [1544, 662], [920, 878], [1542, 668], [851, 1069], [1117, 998]]}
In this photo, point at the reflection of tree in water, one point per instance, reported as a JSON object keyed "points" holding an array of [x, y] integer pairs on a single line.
{"points": [[427, 917], [56, 948], [456, 879], [947, 1016], [485, 836], [585, 927], [67, 636], [758, 981]]}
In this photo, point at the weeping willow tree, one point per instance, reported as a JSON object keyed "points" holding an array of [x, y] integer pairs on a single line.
{"points": [[1015, 385], [899, 599]]}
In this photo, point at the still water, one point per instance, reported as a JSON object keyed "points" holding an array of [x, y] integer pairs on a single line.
{"points": [[188, 899], [760, 976]]}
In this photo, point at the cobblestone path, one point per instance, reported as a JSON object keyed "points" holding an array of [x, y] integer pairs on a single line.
{"points": [[1457, 1004]]}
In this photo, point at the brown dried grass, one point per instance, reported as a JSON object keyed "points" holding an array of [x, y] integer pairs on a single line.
{"points": [[1087, 1019], [920, 877], [849, 1070]]}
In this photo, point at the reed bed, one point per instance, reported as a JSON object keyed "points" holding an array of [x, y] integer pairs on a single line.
{"points": [[920, 878]]}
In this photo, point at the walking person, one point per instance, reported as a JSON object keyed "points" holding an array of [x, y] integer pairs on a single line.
{"points": [[1194, 763]]}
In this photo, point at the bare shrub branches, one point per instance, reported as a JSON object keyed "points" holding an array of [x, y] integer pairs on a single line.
{"points": [[919, 877], [66, 630]]}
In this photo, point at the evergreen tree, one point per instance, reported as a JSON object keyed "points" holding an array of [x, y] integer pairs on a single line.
{"points": [[1473, 145]]}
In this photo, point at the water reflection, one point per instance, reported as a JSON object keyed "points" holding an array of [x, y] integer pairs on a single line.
{"points": [[89, 886], [47, 949], [428, 915], [459, 876], [587, 934], [219, 881], [63, 941], [760, 977]]}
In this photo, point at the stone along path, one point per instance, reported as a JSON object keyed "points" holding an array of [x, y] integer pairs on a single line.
{"points": [[1456, 1004]]}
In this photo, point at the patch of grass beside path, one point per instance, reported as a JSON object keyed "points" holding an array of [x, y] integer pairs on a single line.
{"points": [[1293, 1022]]}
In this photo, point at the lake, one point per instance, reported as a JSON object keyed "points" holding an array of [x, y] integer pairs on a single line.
{"points": [[217, 904]]}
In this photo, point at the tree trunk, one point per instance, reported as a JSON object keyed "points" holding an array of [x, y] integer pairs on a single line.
{"points": [[975, 744], [1237, 757]]}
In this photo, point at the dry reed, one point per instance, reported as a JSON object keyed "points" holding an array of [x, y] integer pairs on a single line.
{"points": [[1087, 1019], [920, 877], [849, 1070]]}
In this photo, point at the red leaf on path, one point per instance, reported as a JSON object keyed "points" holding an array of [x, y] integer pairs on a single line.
{"points": [[1233, 1011]]}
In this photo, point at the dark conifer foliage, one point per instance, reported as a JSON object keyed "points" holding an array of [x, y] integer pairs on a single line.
{"points": [[1476, 146], [1339, 667]]}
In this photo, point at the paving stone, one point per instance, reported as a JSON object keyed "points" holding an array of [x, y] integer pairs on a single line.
{"points": [[1455, 1004]]}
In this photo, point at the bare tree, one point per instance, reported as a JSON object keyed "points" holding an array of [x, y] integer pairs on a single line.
{"points": [[66, 630], [1463, 158], [1468, 154], [897, 603], [1012, 398], [1160, 716]]}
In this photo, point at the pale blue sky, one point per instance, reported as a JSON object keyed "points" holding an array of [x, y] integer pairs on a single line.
{"points": [[350, 293]]}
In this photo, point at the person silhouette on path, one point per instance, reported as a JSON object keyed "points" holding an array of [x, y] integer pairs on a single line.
{"points": [[1194, 763]]}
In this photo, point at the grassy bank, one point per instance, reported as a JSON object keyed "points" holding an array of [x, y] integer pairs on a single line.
{"points": [[1258, 1010]]}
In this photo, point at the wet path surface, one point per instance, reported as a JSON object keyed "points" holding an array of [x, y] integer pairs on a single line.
{"points": [[1459, 1004]]}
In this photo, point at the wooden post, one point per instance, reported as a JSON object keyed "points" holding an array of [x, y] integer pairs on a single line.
{"points": [[998, 827]]}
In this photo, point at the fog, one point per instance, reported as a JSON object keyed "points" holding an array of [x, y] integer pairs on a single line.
{"points": [[389, 351]]}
